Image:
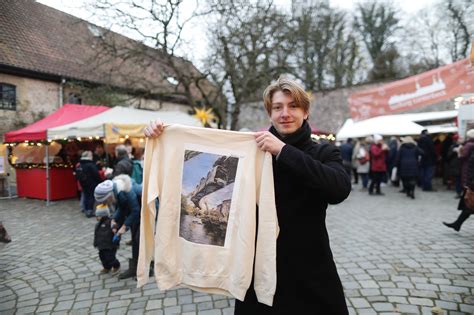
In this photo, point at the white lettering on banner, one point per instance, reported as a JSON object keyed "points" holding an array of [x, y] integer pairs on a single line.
{"points": [[418, 100]]}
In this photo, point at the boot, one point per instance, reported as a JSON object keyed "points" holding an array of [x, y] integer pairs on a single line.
{"points": [[132, 270], [456, 225]]}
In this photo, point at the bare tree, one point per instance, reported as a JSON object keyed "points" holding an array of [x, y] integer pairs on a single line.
{"points": [[249, 48], [377, 23], [158, 26], [459, 33]]}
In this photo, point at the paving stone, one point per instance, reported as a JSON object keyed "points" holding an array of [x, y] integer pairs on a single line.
{"points": [[419, 301]]}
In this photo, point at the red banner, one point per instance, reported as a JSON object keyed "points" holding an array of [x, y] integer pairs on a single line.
{"points": [[417, 91]]}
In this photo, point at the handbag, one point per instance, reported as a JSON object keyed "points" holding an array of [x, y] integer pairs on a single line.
{"points": [[469, 198], [394, 175]]}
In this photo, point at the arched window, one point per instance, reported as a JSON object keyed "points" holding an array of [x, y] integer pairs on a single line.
{"points": [[7, 96]]}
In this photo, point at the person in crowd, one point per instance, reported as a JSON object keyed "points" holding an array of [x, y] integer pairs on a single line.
{"points": [[104, 241], [88, 176], [393, 146], [378, 166], [124, 195], [4, 237], [100, 157], [428, 161], [307, 177], [362, 158], [467, 179], [445, 146], [407, 164], [453, 166], [124, 163], [347, 149]]}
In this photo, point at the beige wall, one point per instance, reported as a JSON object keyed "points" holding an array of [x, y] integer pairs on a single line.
{"points": [[34, 98]]}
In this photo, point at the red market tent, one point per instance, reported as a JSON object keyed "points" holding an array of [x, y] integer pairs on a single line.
{"points": [[50, 183], [66, 114]]}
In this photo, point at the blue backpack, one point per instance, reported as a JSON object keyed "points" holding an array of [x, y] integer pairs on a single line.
{"points": [[137, 171]]}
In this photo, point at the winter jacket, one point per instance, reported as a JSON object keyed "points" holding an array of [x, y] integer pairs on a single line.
{"points": [[91, 178], [426, 144], [407, 160], [128, 196], [453, 164], [307, 177], [377, 158], [103, 235], [466, 151]]}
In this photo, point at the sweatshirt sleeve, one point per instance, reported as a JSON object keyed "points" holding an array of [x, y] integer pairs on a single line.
{"points": [[265, 255], [148, 212], [325, 173]]}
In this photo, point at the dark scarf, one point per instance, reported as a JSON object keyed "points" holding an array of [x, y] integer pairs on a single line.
{"points": [[300, 138]]}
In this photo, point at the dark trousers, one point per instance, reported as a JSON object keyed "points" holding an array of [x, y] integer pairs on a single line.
{"points": [[427, 177], [348, 167], [135, 229], [409, 183], [376, 180], [88, 200], [108, 259], [365, 179]]}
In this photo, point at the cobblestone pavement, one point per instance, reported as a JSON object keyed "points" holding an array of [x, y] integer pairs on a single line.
{"points": [[393, 255]]}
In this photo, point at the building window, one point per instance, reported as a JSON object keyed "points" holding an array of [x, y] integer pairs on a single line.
{"points": [[7, 96], [74, 98]]}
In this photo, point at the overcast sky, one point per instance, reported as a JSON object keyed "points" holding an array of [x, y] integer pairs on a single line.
{"points": [[195, 34]]}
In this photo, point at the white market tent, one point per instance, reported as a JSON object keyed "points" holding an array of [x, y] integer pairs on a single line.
{"points": [[397, 125], [95, 126]]}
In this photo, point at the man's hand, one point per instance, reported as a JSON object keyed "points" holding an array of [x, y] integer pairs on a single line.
{"points": [[154, 129], [268, 142]]}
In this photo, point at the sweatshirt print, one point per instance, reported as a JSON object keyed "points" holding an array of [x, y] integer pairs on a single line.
{"points": [[208, 182]]}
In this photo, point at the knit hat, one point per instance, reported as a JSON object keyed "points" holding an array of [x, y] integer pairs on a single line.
{"points": [[104, 190], [408, 139], [102, 211], [470, 134], [377, 137], [86, 155]]}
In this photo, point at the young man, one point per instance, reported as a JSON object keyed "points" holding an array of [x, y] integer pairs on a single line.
{"points": [[307, 176]]}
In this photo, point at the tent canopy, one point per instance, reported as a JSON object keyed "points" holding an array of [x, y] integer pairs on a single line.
{"points": [[121, 121], [396, 125], [64, 115]]}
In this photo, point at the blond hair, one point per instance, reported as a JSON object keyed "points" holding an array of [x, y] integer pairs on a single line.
{"points": [[290, 87]]}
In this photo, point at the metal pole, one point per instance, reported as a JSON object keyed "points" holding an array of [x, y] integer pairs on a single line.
{"points": [[47, 176]]}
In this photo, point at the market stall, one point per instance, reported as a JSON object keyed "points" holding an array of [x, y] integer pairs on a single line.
{"points": [[400, 125], [40, 172], [119, 122]]}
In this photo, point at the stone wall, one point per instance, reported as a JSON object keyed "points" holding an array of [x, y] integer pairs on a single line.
{"points": [[35, 99], [329, 110]]}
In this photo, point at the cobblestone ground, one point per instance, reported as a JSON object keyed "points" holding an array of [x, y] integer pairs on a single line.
{"points": [[393, 255]]}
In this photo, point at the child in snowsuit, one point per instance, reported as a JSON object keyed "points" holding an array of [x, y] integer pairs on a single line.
{"points": [[104, 240]]}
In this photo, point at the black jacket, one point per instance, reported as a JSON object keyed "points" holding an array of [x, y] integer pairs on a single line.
{"points": [[92, 177], [103, 235], [407, 160], [307, 176]]}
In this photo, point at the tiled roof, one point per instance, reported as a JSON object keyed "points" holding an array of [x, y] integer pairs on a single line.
{"points": [[44, 40]]}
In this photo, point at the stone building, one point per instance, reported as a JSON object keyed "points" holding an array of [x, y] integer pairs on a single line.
{"points": [[49, 58]]}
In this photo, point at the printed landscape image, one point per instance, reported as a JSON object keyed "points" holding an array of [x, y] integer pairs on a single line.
{"points": [[206, 196]]}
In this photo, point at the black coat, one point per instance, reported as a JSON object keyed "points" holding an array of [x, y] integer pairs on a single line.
{"points": [[92, 177], [407, 160], [426, 144], [307, 176], [103, 235]]}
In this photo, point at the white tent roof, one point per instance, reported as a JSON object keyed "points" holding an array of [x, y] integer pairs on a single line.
{"points": [[94, 126], [395, 125]]}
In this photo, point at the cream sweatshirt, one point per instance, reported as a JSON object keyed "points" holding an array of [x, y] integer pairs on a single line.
{"points": [[208, 182]]}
